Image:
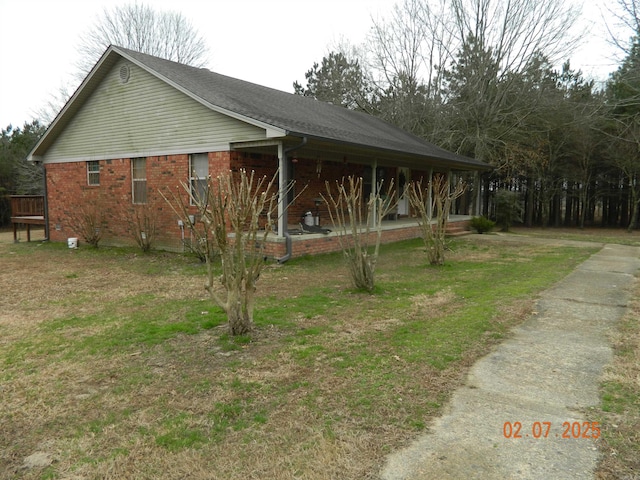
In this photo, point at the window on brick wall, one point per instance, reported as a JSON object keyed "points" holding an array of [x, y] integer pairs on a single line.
{"points": [[93, 173], [139, 179], [199, 173]]}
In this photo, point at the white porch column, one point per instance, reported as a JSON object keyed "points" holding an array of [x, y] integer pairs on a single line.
{"points": [[282, 190], [477, 208], [430, 194], [450, 180], [374, 191]]}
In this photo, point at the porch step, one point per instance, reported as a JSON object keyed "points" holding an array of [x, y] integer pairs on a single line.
{"points": [[458, 229]]}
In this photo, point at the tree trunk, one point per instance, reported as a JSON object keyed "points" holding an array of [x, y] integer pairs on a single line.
{"points": [[240, 312], [624, 206], [569, 205], [582, 205], [556, 213], [634, 216], [362, 271], [633, 194], [529, 204]]}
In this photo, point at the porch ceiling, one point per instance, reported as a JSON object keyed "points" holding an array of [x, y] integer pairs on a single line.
{"points": [[318, 149]]}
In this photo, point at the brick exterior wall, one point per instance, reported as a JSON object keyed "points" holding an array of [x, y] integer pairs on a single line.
{"points": [[69, 194]]}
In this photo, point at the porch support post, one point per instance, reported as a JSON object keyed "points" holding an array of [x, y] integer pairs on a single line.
{"points": [[374, 191], [430, 193], [450, 180], [283, 181], [478, 197]]}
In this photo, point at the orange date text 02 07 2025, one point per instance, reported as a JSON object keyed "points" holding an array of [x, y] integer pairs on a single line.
{"points": [[586, 430]]}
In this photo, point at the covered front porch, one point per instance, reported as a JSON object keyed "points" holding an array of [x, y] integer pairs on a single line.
{"points": [[306, 166]]}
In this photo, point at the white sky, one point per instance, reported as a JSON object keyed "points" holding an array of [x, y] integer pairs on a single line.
{"points": [[269, 42]]}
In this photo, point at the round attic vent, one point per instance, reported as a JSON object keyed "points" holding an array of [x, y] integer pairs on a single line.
{"points": [[125, 73]]}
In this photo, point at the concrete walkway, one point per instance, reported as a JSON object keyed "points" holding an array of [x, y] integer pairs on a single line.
{"points": [[548, 371]]}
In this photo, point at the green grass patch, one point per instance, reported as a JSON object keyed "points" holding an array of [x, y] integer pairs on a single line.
{"points": [[138, 321]]}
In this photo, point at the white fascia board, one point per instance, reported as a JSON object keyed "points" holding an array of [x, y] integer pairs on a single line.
{"points": [[255, 143], [147, 153]]}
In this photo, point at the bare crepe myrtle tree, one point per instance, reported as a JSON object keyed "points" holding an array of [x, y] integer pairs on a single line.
{"points": [[436, 200], [236, 216], [142, 225], [358, 224], [88, 219], [199, 243]]}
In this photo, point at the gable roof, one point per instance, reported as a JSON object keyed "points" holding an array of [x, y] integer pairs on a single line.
{"points": [[280, 113]]}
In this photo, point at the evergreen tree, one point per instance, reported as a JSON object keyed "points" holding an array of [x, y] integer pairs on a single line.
{"points": [[623, 91], [337, 80], [17, 175]]}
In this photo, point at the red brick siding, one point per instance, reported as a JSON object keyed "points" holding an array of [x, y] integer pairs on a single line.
{"points": [[310, 176], [306, 174], [67, 189]]}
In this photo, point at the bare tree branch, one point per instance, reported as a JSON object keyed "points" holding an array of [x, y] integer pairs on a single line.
{"points": [[139, 27]]}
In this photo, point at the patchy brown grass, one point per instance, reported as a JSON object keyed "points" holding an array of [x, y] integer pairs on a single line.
{"points": [[620, 411], [330, 382], [589, 234]]}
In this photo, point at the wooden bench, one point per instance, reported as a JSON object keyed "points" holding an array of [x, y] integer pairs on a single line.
{"points": [[26, 210]]}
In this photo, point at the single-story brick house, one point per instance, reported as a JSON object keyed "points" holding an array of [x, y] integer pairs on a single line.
{"points": [[139, 124]]}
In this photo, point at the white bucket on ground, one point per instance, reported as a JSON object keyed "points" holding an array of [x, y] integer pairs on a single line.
{"points": [[72, 242], [308, 218]]}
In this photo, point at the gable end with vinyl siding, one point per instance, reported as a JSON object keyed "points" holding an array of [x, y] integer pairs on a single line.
{"points": [[132, 113]]}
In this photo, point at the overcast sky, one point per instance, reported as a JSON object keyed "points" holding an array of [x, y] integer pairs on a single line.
{"points": [[270, 42]]}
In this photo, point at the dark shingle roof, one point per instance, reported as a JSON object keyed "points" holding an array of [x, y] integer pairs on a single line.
{"points": [[295, 114]]}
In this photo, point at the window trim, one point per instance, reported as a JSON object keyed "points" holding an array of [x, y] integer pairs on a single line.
{"points": [[193, 178], [93, 173], [136, 181]]}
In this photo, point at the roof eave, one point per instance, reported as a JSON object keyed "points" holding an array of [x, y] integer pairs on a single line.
{"points": [[462, 164]]}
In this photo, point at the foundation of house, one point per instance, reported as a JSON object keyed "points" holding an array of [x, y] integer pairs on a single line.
{"points": [[392, 231]]}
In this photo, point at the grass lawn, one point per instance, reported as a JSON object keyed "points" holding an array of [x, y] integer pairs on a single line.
{"points": [[619, 412], [114, 364]]}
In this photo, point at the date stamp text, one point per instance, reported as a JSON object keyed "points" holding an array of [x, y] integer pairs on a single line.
{"points": [[586, 430]]}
